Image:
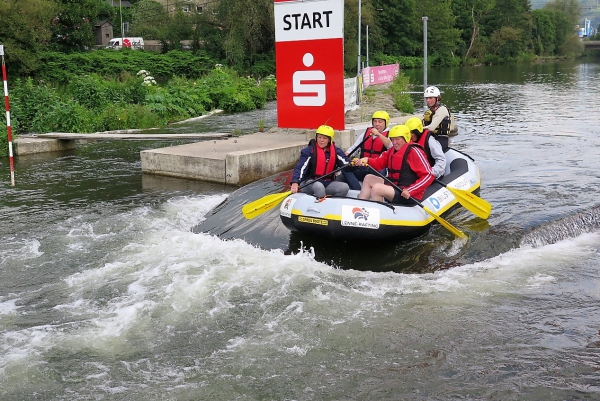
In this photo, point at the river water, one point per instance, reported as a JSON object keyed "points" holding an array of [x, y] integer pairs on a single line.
{"points": [[116, 285]]}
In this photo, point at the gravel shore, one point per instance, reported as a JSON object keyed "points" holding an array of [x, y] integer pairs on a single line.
{"points": [[379, 98]]}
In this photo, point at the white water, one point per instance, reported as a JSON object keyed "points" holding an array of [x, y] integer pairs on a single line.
{"points": [[165, 311]]}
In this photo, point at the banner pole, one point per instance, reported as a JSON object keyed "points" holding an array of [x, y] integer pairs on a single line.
{"points": [[8, 128]]}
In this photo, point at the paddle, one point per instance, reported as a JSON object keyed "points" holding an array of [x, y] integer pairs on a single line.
{"points": [[360, 144], [440, 220], [473, 203], [266, 203]]}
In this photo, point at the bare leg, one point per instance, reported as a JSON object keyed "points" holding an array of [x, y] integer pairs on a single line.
{"points": [[381, 191], [368, 183]]}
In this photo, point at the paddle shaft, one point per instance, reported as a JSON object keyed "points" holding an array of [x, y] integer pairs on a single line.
{"points": [[440, 220], [309, 182], [268, 202], [360, 144]]}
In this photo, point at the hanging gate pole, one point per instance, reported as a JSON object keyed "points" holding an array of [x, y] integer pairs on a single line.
{"points": [[8, 129]]}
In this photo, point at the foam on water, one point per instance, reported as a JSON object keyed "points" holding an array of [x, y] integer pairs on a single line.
{"points": [[161, 277]]}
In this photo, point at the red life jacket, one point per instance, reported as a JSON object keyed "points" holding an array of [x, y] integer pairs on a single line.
{"points": [[399, 172], [424, 143], [373, 146], [319, 165]]}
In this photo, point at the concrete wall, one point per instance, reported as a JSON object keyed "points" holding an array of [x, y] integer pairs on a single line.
{"points": [[30, 145], [183, 166], [245, 167]]}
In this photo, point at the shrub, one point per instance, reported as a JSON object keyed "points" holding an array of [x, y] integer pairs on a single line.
{"points": [[269, 85], [402, 100], [28, 101]]}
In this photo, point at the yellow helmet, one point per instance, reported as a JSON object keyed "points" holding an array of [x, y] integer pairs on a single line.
{"points": [[326, 130], [400, 130], [383, 115], [414, 123]]}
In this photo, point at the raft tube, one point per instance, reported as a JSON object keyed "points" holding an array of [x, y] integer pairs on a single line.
{"points": [[350, 218]]}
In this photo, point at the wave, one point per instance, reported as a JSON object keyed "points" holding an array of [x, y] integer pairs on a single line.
{"points": [[570, 227]]}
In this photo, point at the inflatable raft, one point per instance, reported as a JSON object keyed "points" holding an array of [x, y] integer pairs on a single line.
{"points": [[349, 218]]}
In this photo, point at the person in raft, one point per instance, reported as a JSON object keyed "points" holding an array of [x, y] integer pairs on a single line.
{"points": [[437, 118], [320, 157], [372, 143], [408, 168], [429, 143]]}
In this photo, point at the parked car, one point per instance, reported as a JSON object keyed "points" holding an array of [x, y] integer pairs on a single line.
{"points": [[134, 43]]}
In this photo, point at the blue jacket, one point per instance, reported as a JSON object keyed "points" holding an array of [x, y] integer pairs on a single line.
{"points": [[304, 169]]}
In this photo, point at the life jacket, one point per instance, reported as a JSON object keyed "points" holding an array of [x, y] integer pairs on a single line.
{"points": [[424, 143], [319, 165], [373, 146], [399, 171], [443, 130]]}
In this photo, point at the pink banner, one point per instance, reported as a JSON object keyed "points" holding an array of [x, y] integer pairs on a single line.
{"points": [[379, 75]]}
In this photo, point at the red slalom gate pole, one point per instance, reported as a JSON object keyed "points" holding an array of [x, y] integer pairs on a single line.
{"points": [[8, 129]]}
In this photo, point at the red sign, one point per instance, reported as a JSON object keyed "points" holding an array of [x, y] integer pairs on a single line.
{"points": [[310, 63]]}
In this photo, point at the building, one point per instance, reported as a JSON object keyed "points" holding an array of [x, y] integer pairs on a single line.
{"points": [[103, 30], [120, 3], [188, 6]]}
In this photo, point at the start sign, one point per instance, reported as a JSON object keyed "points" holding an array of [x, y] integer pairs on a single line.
{"points": [[309, 53]]}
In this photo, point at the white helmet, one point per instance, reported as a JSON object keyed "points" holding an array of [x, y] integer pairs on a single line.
{"points": [[432, 91]]}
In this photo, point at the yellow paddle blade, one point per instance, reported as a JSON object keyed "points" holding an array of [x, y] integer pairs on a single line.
{"points": [[264, 204], [473, 203], [444, 223]]}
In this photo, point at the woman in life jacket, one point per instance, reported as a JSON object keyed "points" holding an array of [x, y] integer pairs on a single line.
{"points": [[372, 143], [319, 158], [437, 118], [407, 166], [429, 143]]}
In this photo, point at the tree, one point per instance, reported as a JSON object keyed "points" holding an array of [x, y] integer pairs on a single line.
{"points": [[508, 26], [570, 8], [544, 32], [442, 36], [148, 17], [177, 28], [25, 32], [469, 14], [237, 31], [400, 27], [73, 25]]}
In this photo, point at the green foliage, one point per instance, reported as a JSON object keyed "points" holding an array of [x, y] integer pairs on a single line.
{"points": [[95, 92], [442, 36], [443, 60], [240, 33], [402, 100], [247, 29], [91, 103], [148, 17], [398, 23], [544, 32], [25, 30], [60, 68], [73, 26], [571, 9], [405, 62], [28, 100], [3, 140], [269, 85]]}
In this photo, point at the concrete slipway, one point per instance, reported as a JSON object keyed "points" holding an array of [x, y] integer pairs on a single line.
{"points": [[226, 159]]}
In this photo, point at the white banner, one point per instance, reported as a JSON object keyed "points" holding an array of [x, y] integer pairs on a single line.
{"points": [[350, 87], [309, 20]]}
